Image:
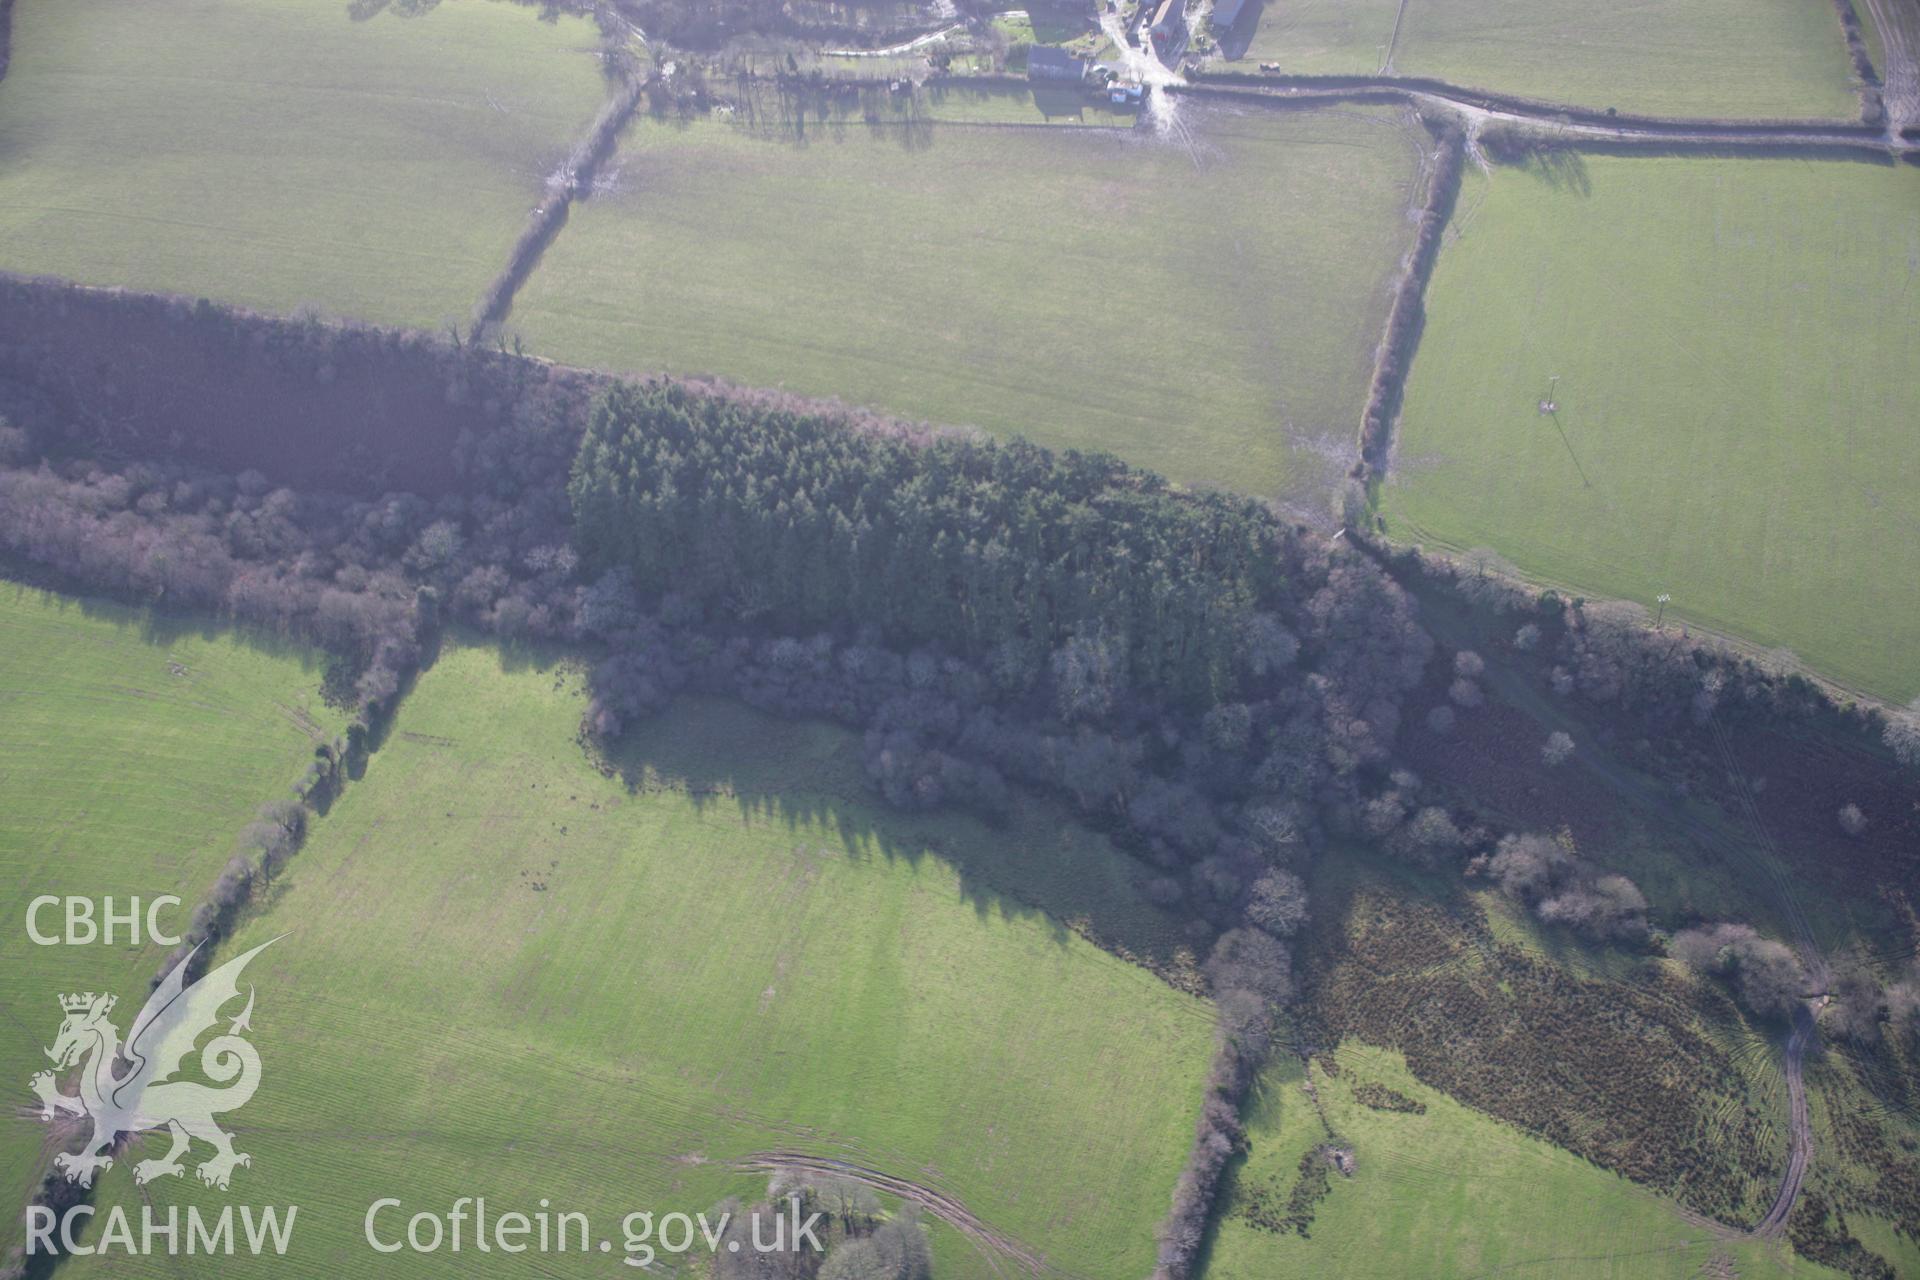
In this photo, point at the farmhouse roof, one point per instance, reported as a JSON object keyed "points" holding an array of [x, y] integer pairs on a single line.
{"points": [[1048, 62]]}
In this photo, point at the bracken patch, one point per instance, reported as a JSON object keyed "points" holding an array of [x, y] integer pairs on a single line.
{"points": [[1623, 1075]]}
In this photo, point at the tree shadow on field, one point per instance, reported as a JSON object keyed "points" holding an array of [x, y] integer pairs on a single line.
{"points": [[1563, 169], [1060, 104], [156, 627], [1038, 864], [800, 113]]}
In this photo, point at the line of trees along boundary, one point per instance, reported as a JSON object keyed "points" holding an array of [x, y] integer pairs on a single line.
{"points": [[1535, 108], [1841, 139], [262, 850], [1406, 316], [573, 182], [1505, 142], [1873, 110]]}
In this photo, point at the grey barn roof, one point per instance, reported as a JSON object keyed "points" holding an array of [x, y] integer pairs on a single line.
{"points": [[1046, 62]]}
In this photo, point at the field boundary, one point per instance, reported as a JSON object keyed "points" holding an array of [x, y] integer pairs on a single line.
{"points": [[574, 180], [1873, 109], [1439, 550], [1565, 129], [571, 182], [1493, 100], [6, 36], [238, 890], [1531, 131], [1406, 315]]}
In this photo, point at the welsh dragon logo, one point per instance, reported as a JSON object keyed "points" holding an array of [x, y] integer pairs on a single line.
{"points": [[131, 1088]]}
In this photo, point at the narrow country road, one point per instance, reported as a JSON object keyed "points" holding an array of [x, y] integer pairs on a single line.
{"points": [[1476, 110]]}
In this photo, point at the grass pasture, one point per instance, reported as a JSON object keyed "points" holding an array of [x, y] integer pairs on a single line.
{"points": [[1750, 59], [1456, 1190], [133, 748], [1734, 341], [508, 975], [1209, 311], [276, 153]]}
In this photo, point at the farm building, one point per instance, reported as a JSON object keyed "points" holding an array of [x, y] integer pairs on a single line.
{"points": [[1226, 13], [1169, 26], [1057, 66]]}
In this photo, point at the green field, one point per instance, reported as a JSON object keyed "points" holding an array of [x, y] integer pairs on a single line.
{"points": [[1711, 58], [275, 153], [1208, 310], [1734, 341], [508, 975], [1452, 1192], [133, 749]]}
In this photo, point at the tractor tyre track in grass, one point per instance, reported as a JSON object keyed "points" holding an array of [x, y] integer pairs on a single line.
{"points": [[1799, 1127], [996, 1247], [1393, 41], [1899, 24]]}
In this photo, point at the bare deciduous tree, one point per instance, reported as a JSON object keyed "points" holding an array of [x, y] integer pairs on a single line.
{"points": [[1279, 903]]}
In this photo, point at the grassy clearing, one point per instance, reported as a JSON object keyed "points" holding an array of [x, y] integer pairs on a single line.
{"points": [[275, 153], [1732, 58], [510, 976], [1460, 1192], [133, 748], [1209, 312], [1734, 342]]}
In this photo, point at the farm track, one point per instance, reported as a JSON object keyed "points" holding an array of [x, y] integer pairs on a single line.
{"points": [[1799, 1128], [1393, 41], [1899, 24], [995, 1246]]}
